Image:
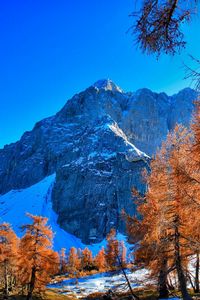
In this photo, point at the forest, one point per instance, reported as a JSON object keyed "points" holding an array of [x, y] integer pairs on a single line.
{"points": [[28, 264]]}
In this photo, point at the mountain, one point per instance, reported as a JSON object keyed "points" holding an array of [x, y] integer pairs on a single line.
{"points": [[36, 199], [97, 145]]}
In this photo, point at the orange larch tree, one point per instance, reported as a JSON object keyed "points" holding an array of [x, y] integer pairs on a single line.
{"points": [[87, 260], [38, 262], [112, 250], [100, 260], [73, 262], [63, 261], [150, 250], [164, 232], [192, 190], [8, 256]]}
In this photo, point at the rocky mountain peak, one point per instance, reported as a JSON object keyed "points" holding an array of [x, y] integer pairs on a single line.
{"points": [[107, 85], [97, 145]]}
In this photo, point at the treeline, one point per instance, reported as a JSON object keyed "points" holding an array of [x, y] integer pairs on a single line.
{"points": [[28, 264], [79, 262], [167, 234]]}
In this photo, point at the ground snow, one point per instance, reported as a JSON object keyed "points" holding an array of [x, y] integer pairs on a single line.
{"points": [[101, 282]]}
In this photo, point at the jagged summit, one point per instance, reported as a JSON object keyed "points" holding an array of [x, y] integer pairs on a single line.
{"points": [[107, 85]]}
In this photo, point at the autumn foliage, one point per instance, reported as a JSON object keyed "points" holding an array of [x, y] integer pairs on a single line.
{"points": [[167, 231], [100, 260], [79, 262], [38, 262], [8, 257], [27, 264]]}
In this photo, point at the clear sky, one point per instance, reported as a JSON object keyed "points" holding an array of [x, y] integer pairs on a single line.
{"points": [[52, 49]]}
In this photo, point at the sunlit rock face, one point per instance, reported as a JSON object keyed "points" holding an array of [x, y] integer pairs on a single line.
{"points": [[97, 144]]}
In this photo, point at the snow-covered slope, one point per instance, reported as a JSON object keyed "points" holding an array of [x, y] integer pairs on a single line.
{"points": [[36, 200], [133, 153]]}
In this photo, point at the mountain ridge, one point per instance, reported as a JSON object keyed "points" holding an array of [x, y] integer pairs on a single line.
{"points": [[97, 145], [171, 97]]}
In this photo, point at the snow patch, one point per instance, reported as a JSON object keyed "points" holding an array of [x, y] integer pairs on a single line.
{"points": [[101, 282], [133, 154], [107, 85], [106, 155], [37, 201]]}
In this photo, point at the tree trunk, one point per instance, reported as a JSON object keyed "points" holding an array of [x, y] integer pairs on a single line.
{"points": [[197, 274], [191, 282], [5, 279], [178, 263], [170, 284], [127, 280], [162, 280], [31, 284]]}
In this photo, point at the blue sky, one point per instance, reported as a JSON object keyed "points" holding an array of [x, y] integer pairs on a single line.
{"points": [[51, 50]]}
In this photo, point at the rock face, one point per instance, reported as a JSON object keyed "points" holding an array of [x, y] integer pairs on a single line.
{"points": [[97, 144]]}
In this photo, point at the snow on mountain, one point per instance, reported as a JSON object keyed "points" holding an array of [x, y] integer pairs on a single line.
{"points": [[107, 85], [133, 153], [97, 145], [36, 200]]}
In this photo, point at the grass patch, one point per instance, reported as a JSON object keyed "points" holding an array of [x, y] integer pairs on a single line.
{"points": [[52, 295]]}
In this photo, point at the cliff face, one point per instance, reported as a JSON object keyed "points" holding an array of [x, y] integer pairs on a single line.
{"points": [[97, 145]]}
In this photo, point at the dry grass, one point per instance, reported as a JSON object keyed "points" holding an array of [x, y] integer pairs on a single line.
{"points": [[143, 294], [50, 294]]}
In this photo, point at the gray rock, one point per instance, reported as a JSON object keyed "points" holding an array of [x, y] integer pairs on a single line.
{"points": [[97, 144]]}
